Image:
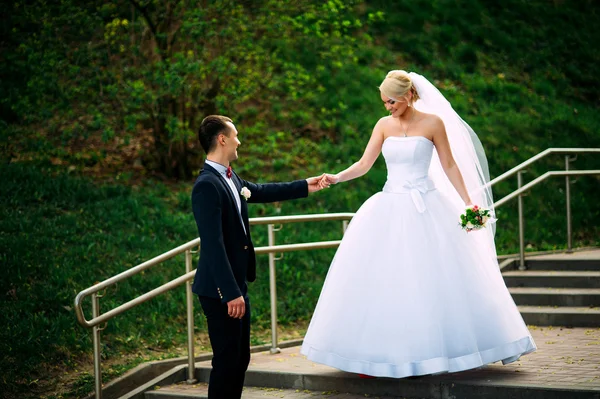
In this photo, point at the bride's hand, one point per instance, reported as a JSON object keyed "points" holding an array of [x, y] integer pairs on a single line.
{"points": [[327, 179], [331, 179]]}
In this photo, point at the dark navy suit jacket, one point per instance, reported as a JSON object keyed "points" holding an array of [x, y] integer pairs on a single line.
{"points": [[227, 260]]}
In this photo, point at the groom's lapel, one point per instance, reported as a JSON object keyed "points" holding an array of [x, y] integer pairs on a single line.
{"points": [[244, 205], [224, 183], [236, 183]]}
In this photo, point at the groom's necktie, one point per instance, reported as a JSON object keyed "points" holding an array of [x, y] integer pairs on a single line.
{"points": [[228, 173]]}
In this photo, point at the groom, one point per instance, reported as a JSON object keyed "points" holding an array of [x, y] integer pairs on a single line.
{"points": [[227, 261]]}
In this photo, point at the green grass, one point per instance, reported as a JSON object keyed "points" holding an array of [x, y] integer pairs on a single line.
{"points": [[61, 234]]}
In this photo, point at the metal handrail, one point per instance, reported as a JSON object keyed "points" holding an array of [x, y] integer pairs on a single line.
{"points": [[176, 282], [543, 177], [189, 246], [122, 276], [320, 217], [520, 169], [537, 157], [137, 301]]}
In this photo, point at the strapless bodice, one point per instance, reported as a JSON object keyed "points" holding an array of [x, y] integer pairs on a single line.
{"points": [[407, 160]]}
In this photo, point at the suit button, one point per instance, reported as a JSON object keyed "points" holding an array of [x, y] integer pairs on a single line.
{"points": [[245, 247]]}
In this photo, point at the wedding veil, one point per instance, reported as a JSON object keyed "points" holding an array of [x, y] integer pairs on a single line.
{"points": [[466, 150]]}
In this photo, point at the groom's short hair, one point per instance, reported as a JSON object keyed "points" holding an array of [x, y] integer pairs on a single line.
{"points": [[210, 128]]}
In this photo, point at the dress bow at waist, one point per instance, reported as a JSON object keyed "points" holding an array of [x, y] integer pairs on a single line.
{"points": [[413, 187]]}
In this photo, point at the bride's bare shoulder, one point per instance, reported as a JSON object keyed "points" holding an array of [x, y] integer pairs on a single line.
{"points": [[385, 119], [432, 120], [384, 122]]}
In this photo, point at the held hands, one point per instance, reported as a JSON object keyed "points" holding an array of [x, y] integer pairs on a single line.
{"points": [[328, 179], [314, 183], [236, 308], [320, 182]]}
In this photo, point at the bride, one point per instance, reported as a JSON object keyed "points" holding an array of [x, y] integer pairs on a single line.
{"points": [[409, 292]]}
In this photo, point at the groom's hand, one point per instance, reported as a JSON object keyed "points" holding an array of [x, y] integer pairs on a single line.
{"points": [[236, 308], [316, 183]]}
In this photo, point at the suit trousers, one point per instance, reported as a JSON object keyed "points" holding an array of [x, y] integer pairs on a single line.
{"points": [[230, 341]]}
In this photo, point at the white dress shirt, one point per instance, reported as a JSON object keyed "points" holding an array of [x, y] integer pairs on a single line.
{"points": [[223, 171]]}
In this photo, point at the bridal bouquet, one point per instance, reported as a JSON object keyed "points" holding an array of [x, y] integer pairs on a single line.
{"points": [[475, 218]]}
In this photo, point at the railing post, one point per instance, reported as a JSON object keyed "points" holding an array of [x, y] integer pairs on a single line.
{"points": [[96, 343], [568, 200], [273, 290], [521, 223], [190, 321]]}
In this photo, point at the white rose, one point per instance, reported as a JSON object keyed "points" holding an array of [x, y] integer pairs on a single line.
{"points": [[245, 193], [470, 225]]}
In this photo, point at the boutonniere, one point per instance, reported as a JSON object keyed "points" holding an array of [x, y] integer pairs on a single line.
{"points": [[245, 193]]}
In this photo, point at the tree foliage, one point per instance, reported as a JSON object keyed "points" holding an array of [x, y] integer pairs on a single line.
{"points": [[131, 68]]}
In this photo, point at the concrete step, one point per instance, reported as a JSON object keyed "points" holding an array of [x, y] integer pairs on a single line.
{"points": [[568, 316], [565, 366], [563, 264], [551, 278], [548, 296], [382, 388], [170, 393], [200, 391]]}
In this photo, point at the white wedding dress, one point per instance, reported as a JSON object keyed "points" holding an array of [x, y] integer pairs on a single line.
{"points": [[409, 292]]}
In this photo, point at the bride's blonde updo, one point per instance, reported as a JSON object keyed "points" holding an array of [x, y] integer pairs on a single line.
{"points": [[397, 84]]}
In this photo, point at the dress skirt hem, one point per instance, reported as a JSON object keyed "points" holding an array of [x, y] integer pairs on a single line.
{"points": [[507, 353]]}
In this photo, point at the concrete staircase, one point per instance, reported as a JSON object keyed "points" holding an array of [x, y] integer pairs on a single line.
{"points": [[557, 290], [565, 366]]}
